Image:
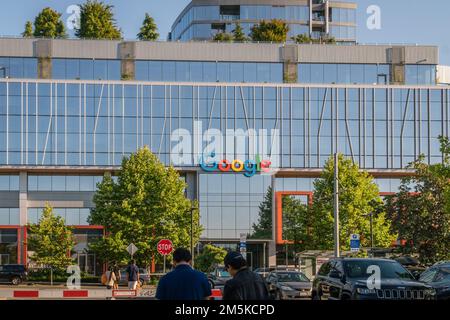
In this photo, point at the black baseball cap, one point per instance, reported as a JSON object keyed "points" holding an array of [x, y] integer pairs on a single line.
{"points": [[234, 259]]}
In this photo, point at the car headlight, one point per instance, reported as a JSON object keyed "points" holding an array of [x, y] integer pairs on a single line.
{"points": [[365, 291], [286, 288]]}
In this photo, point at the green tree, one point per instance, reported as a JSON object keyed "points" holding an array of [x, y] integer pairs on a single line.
{"points": [[358, 196], [97, 22], [297, 223], [420, 211], [149, 30], [146, 204], [28, 32], [263, 229], [51, 241], [48, 24], [302, 38], [111, 249], [223, 37], [238, 33], [209, 257], [270, 31]]}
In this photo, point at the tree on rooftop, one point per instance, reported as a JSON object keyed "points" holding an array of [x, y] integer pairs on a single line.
{"points": [[270, 31], [238, 33], [97, 22], [149, 30], [48, 24], [28, 33], [223, 37]]}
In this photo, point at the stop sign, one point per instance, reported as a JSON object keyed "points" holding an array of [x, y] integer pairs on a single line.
{"points": [[165, 247]]}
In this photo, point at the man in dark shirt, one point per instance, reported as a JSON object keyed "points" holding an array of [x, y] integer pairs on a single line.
{"points": [[245, 285], [183, 283], [133, 275]]}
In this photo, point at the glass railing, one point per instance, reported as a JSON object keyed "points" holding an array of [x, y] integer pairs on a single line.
{"points": [[230, 17]]}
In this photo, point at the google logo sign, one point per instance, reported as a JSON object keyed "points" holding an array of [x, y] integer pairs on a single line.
{"points": [[249, 167]]}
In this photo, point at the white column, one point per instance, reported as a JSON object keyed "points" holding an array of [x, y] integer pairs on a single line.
{"points": [[23, 197]]}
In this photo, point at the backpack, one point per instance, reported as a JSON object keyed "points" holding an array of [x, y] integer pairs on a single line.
{"points": [[104, 279]]}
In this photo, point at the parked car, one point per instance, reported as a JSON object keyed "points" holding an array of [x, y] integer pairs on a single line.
{"points": [[347, 279], [438, 277], [264, 272], [13, 273], [412, 264], [218, 277], [284, 285], [144, 277]]}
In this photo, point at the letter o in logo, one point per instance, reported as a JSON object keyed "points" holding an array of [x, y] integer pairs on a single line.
{"points": [[224, 165], [237, 165]]}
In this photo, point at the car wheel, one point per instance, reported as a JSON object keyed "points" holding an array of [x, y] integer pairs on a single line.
{"points": [[278, 296], [315, 296], [16, 281]]}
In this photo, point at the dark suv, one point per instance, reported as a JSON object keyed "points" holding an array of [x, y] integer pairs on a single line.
{"points": [[13, 273], [349, 279]]}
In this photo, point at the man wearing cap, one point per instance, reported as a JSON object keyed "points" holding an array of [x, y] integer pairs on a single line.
{"points": [[245, 285]]}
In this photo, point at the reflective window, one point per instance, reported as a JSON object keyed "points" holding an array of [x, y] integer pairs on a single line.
{"points": [[71, 216], [85, 69], [18, 68], [63, 183], [9, 216], [9, 183], [229, 203]]}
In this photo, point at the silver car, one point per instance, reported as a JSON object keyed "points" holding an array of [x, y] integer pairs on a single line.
{"points": [[289, 285]]}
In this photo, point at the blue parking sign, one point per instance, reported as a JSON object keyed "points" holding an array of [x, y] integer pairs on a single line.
{"points": [[355, 243]]}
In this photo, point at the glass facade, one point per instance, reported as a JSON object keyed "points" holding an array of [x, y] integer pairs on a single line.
{"points": [[203, 22], [9, 183], [8, 246], [63, 183], [85, 69], [19, 68], [229, 204], [9, 217], [343, 73], [95, 124], [192, 71], [71, 216]]}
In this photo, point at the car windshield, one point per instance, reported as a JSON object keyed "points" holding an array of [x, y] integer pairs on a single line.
{"points": [[443, 275], [292, 277], [389, 269]]}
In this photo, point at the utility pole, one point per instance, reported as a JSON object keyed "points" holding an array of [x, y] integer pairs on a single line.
{"points": [[336, 206]]}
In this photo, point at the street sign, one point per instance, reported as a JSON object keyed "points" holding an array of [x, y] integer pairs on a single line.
{"points": [[132, 249], [354, 243], [165, 247], [243, 243]]}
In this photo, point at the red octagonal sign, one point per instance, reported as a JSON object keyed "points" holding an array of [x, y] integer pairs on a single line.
{"points": [[165, 247]]}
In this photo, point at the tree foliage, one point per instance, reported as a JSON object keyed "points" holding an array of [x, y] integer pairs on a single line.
{"points": [[270, 31], [263, 229], [305, 38], [297, 223], [51, 241], [358, 197], [149, 30], [48, 24], [420, 211], [210, 257], [28, 32], [97, 21], [238, 33], [147, 203], [223, 37]]}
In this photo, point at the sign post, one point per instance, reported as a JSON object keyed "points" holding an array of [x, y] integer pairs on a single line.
{"points": [[132, 249], [243, 244], [165, 247], [354, 243]]}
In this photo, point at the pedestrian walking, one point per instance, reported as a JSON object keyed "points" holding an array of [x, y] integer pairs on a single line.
{"points": [[111, 278], [245, 284], [118, 276], [133, 275], [183, 282]]}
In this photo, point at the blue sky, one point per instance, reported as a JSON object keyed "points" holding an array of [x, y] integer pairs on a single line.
{"points": [[402, 21]]}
